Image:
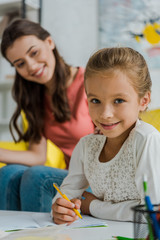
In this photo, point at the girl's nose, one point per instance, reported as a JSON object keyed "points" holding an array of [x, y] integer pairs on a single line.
{"points": [[107, 112]]}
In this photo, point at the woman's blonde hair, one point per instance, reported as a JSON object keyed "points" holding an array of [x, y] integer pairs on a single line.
{"points": [[127, 60]]}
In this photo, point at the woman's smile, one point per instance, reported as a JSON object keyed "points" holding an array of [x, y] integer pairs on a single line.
{"points": [[33, 58], [39, 72]]}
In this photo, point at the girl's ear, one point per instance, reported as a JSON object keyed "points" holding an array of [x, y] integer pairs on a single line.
{"points": [[50, 41], [144, 101]]}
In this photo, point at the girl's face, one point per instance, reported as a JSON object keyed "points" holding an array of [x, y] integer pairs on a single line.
{"points": [[114, 105], [33, 58]]}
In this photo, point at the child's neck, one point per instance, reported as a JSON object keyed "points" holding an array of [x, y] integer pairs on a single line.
{"points": [[110, 150], [112, 146]]}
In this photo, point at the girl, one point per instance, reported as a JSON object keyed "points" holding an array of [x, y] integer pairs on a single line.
{"points": [[118, 87], [51, 94]]}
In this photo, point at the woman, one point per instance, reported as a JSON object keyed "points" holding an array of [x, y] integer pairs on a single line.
{"points": [[51, 94]]}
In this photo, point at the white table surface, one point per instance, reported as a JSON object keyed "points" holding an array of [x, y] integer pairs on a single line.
{"points": [[114, 228]]}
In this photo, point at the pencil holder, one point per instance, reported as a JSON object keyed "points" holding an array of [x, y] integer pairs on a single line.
{"points": [[146, 223]]}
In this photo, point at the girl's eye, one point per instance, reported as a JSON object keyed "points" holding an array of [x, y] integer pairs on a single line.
{"points": [[95, 101], [119, 100]]}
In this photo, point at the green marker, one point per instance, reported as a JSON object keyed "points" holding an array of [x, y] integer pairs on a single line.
{"points": [[91, 226], [145, 187], [145, 184], [126, 238], [13, 230]]}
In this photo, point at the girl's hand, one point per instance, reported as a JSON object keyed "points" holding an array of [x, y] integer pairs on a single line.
{"points": [[62, 211], [85, 203]]}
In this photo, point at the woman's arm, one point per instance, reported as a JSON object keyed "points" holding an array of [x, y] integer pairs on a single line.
{"points": [[35, 155]]}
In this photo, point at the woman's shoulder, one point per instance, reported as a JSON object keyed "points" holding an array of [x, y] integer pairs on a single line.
{"points": [[81, 70], [80, 74], [77, 81]]}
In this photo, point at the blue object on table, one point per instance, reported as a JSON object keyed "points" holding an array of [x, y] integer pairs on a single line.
{"points": [[156, 225]]}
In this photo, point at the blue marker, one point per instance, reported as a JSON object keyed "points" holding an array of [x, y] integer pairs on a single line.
{"points": [[145, 187], [153, 217]]}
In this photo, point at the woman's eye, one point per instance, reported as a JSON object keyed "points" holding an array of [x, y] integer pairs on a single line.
{"points": [[20, 65], [34, 53], [117, 101], [95, 101]]}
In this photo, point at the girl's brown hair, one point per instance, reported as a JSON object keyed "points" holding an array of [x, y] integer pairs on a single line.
{"points": [[125, 59], [29, 96]]}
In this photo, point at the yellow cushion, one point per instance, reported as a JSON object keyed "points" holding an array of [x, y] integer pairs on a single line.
{"points": [[24, 121], [152, 117], [55, 157]]}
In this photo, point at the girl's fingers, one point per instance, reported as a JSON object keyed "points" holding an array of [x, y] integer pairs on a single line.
{"points": [[64, 218], [63, 202], [77, 203], [58, 221], [64, 211]]}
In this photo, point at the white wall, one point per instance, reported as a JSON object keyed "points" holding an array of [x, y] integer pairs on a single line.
{"points": [[155, 95], [73, 25]]}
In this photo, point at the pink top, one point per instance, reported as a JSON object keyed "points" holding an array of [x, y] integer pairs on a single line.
{"points": [[66, 135]]}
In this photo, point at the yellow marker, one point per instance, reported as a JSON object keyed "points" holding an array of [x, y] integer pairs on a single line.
{"points": [[65, 197]]}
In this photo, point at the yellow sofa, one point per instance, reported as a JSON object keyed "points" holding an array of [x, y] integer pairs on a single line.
{"points": [[55, 157], [152, 117]]}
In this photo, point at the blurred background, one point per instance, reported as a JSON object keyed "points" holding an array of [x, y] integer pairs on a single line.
{"points": [[80, 27]]}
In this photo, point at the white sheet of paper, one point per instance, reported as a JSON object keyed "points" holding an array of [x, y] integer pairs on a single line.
{"points": [[37, 220], [88, 221], [18, 221], [43, 219], [46, 233], [3, 234]]}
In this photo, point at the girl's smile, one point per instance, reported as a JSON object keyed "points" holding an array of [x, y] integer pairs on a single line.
{"points": [[114, 104], [109, 126]]}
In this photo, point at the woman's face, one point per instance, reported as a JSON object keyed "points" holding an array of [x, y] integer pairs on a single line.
{"points": [[33, 58]]}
